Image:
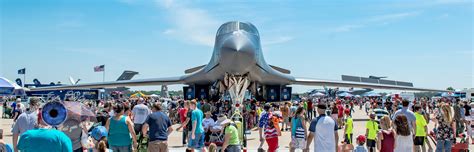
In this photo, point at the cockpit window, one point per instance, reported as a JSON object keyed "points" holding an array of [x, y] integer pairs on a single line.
{"points": [[235, 26], [228, 27], [248, 28]]}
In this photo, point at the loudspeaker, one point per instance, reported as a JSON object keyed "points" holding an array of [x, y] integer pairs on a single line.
{"points": [[285, 93], [188, 93], [202, 92], [54, 113], [273, 93]]}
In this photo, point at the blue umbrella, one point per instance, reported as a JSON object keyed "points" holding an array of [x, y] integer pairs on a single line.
{"points": [[371, 94], [6, 87], [345, 94]]}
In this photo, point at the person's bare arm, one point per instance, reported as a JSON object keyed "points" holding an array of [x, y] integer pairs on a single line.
{"points": [[226, 142], [413, 123], [379, 140], [336, 137], [107, 124], [170, 129], [309, 139], [145, 129], [184, 124], [304, 127], [132, 131], [15, 142], [194, 130]]}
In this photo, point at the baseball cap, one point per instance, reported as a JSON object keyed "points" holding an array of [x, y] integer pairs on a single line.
{"points": [[361, 138], [99, 132]]}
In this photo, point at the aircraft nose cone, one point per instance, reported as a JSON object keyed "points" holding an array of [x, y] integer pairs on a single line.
{"points": [[237, 42]]}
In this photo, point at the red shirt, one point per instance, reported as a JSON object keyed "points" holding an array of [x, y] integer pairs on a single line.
{"points": [[340, 110], [182, 114]]}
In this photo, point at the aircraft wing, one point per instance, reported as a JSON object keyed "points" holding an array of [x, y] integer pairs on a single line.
{"points": [[113, 84], [336, 83]]}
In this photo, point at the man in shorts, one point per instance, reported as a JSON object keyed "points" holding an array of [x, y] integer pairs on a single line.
{"points": [[421, 129]]}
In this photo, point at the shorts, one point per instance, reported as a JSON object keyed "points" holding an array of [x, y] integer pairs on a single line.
{"points": [[298, 143], [197, 142], [348, 138], [419, 140], [272, 144], [137, 128], [157, 146], [121, 148], [370, 143]]}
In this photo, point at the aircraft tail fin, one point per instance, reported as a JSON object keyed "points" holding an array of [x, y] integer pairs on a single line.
{"points": [[282, 70], [191, 70]]}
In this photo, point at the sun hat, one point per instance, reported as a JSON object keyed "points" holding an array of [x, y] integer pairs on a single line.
{"points": [[99, 132]]}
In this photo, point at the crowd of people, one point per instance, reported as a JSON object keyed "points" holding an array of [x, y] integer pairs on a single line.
{"points": [[145, 123]]}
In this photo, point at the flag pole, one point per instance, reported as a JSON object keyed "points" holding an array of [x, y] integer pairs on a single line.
{"points": [[103, 74], [24, 77]]}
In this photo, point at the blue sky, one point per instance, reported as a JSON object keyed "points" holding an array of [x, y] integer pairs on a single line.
{"points": [[429, 43]]}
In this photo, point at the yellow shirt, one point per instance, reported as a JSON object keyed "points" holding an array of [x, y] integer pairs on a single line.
{"points": [[373, 127], [420, 125], [349, 125]]}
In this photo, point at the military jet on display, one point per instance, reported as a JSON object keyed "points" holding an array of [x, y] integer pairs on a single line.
{"points": [[237, 64]]}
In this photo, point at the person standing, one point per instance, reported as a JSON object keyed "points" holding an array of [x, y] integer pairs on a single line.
{"points": [[183, 115], [421, 130], [324, 131], [285, 112], [348, 129], [298, 131], [445, 129], [371, 132], [120, 128], [26, 121], [263, 122], [140, 113], [196, 140], [408, 113], [160, 128], [44, 140], [310, 109], [386, 136], [231, 137], [403, 138]]}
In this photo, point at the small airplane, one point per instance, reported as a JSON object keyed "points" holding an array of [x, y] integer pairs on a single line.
{"points": [[237, 64]]}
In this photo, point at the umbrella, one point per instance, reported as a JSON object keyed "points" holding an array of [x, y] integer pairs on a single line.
{"points": [[318, 94], [345, 94], [80, 111], [153, 95], [6, 87], [371, 94]]}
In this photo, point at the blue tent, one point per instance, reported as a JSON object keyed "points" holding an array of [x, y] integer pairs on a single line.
{"points": [[6, 87], [345, 94], [371, 94]]}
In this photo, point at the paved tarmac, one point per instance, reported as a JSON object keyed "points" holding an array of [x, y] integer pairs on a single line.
{"points": [[175, 138]]}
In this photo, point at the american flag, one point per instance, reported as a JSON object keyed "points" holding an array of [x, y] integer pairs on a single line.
{"points": [[99, 68]]}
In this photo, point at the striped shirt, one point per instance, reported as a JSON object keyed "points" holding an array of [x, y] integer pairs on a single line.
{"points": [[270, 132]]}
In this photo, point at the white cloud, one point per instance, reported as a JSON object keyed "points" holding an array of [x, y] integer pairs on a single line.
{"points": [[393, 17], [346, 28], [278, 40], [190, 24], [385, 19]]}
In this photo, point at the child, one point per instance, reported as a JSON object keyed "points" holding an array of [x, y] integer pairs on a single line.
{"points": [[4, 147], [271, 136], [360, 144], [212, 147]]}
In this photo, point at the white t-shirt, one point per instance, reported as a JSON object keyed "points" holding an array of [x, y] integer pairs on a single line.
{"points": [[323, 130], [207, 122], [140, 112]]}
